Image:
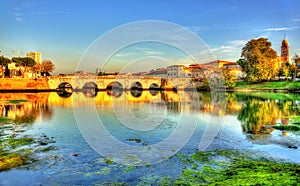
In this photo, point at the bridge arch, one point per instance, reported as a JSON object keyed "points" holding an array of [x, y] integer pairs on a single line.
{"points": [[154, 86], [64, 89], [136, 86], [65, 85], [90, 89], [114, 85], [136, 92]]}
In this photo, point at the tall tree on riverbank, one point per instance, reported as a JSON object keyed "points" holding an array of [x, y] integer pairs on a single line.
{"points": [[4, 61], [47, 66], [258, 60], [24, 61]]}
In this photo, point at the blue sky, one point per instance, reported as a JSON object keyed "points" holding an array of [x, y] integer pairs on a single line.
{"points": [[63, 30]]}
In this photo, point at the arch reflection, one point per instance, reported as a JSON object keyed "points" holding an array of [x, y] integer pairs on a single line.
{"points": [[136, 92], [90, 89], [64, 89]]}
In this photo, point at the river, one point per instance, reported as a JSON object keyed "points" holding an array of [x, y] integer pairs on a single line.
{"points": [[136, 137]]}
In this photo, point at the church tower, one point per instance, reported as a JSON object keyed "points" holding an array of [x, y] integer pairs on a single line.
{"points": [[285, 51]]}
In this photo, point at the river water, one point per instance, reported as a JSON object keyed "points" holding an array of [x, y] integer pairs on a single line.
{"points": [[136, 137]]}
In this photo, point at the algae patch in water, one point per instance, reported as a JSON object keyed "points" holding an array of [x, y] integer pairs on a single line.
{"points": [[17, 101], [4, 120], [238, 169], [12, 160], [287, 128]]}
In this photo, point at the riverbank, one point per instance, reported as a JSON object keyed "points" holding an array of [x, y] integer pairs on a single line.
{"points": [[280, 86], [24, 85]]}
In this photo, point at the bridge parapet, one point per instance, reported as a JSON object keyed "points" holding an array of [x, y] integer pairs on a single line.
{"points": [[102, 82]]}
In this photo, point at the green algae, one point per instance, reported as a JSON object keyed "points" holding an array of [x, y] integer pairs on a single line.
{"points": [[9, 161], [4, 120], [17, 101], [17, 142], [235, 168], [10, 156], [108, 160], [287, 128]]}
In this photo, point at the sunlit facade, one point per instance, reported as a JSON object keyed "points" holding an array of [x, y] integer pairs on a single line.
{"points": [[37, 56]]}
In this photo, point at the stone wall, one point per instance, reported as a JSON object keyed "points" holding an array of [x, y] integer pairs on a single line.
{"points": [[24, 84]]}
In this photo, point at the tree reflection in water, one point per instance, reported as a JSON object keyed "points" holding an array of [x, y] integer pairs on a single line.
{"points": [[259, 115], [27, 109]]}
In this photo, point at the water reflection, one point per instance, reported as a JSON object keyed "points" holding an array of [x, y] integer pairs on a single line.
{"points": [[245, 115], [256, 114], [25, 108]]}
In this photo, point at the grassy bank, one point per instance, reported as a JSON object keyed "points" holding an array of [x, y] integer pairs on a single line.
{"points": [[281, 85]]}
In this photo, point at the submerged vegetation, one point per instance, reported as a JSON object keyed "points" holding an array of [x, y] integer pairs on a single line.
{"points": [[16, 149], [230, 167]]}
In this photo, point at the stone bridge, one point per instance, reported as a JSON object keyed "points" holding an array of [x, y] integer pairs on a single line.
{"points": [[122, 82]]}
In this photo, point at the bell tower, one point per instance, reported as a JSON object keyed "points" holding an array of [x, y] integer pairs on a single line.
{"points": [[285, 50]]}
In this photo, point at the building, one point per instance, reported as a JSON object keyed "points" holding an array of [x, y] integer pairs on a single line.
{"points": [[160, 72], [285, 51], [37, 56], [235, 70], [176, 71]]}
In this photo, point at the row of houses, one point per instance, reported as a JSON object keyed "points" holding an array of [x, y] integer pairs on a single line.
{"points": [[197, 71], [14, 71]]}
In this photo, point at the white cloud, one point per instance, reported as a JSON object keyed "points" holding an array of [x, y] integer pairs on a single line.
{"points": [[265, 35], [19, 18], [296, 20], [197, 29], [230, 51], [50, 12], [277, 29], [153, 52]]}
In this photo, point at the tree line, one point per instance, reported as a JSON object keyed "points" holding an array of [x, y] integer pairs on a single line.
{"points": [[28, 62]]}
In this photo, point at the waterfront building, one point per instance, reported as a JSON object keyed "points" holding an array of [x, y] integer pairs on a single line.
{"points": [[176, 71]]}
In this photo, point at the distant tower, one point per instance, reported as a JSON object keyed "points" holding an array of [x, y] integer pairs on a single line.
{"points": [[285, 50], [37, 56]]}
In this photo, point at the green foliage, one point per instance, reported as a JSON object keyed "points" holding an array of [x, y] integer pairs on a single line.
{"points": [[258, 60], [256, 114], [295, 85], [230, 80], [24, 61], [4, 61]]}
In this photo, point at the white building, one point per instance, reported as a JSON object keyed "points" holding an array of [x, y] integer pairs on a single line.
{"points": [[178, 71]]}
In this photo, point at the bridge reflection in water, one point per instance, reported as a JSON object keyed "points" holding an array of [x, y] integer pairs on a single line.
{"points": [[256, 115]]}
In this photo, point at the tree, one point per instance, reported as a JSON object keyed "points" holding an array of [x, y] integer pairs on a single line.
{"points": [[230, 80], [47, 66], [24, 61], [296, 60], [258, 60], [293, 71], [4, 61]]}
